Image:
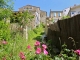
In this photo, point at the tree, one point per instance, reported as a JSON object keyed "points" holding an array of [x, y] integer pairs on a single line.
{"points": [[6, 4], [27, 17], [4, 13], [5, 8], [22, 18]]}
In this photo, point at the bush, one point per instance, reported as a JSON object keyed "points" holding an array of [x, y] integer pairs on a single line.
{"points": [[4, 31]]}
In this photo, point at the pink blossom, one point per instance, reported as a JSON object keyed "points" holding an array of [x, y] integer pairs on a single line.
{"points": [[44, 46], [45, 52], [22, 56], [4, 42], [37, 43], [28, 47], [38, 50], [77, 52]]}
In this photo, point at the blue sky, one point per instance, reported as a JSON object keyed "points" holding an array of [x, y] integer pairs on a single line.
{"points": [[46, 5]]}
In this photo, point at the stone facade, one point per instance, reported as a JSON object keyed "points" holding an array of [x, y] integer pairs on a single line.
{"points": [[56, 15], [40, 16], [72, 11], [43, 16]]}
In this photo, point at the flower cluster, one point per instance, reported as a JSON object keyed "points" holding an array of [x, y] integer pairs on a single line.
{"points": [[4, 42], [28, 47], [41, 49], [77, 52], [22, 56], [37, 43], [38, 50]]}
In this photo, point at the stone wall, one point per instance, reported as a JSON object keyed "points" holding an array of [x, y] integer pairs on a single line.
{"points": [[43, 16]]}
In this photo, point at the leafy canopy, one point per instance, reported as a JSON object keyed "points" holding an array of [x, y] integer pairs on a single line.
{"points": [[6, 4], [21, 17]]}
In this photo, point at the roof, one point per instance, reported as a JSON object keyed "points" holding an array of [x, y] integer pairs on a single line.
{"points": [[42, 11], [31, 6], [72, 7], [75, 6]]}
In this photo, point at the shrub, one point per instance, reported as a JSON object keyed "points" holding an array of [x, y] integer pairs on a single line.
{"points": [[4, 31]]}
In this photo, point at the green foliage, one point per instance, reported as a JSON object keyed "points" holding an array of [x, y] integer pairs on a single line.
{"points": [[5, 13], [6, 4], [65, 17], [13, 47], [5, 9], [4, 31], [16, 44], [66, 54], [16, 17], [23, 18], [35, 32], [27, 16]]}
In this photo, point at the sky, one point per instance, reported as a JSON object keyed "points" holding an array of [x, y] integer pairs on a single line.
{"points": [[46, 5]]}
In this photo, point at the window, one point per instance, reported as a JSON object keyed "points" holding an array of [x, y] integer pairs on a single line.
{"points": [[73, 12], [64, 10], [29, 8], [59, 14], [24, 9], [54, 14]]}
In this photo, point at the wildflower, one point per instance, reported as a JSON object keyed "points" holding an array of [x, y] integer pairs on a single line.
{"points": [[22, 56], [77, 52], [28, 47], [38, 50], [4, 42], [37, 43], [45, 52], [44, 46]]}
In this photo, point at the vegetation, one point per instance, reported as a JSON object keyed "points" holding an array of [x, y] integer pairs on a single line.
{"points": [[5, 13], [65, 17], [18, 44], [6, 4], [13, 46], [23, 18], [5, 9], [66, 54]]}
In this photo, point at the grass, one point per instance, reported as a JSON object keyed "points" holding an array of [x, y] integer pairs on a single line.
{"points": [[33, 34], [19, 44]]}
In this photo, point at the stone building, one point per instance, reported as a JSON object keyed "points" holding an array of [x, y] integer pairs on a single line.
{"points": [[72, 11], [56, 15], [43, 16], [40, 16]]}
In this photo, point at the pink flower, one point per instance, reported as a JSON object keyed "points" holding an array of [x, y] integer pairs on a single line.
{"points": [[77, 52], [44, 46], [22, 56], [28, 47], [38, 50], [45, 52], [37, 43], [4, 42]]}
